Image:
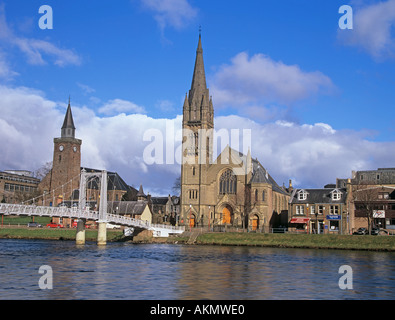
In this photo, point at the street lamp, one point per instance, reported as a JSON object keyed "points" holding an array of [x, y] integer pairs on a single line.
{"points": [[190, 216]]}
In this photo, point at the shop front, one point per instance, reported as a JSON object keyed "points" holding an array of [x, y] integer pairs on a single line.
{"points": [[333, 224], [299, 224]]}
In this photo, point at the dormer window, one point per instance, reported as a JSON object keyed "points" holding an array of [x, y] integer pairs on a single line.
{"points": [[302, 195], [336, 195]]}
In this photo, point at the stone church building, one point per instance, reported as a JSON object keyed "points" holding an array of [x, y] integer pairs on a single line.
{"points": [[235, 189]]}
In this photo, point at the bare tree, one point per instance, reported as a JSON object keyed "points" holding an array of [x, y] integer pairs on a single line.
{"points": [[365, 198], [41, 172], [177, 186]]}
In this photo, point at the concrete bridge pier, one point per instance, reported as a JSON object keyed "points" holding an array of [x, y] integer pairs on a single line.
{"points": [[101, 233], [80, 236]]}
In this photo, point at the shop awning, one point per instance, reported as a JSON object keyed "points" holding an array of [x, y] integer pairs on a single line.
{"points": [[299, 220]]}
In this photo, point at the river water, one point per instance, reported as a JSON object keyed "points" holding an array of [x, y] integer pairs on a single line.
{"points": [[180, 272]]}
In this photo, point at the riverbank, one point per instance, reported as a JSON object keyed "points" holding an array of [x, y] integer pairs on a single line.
{"points": [[311, 241], [307, 241], [273, 240]]}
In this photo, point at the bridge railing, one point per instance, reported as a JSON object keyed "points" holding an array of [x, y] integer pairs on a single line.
{"points": [[65, 212], [31, 210], [166, 226]]}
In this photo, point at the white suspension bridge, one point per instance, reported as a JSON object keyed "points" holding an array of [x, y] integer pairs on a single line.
{"points": [[82, 213]]}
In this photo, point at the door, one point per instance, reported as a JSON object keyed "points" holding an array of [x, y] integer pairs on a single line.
{"points": [[226, 216], [192, 221], [254, 224]]}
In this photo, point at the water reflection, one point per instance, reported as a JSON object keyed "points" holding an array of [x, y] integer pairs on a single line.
{"points": [[171, 272]]}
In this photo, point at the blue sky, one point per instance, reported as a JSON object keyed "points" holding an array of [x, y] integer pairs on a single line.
{"points": [[319, 99]]}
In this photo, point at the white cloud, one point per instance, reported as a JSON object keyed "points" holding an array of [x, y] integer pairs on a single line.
{"points": [[173, 13], [5, 69], [117, 106], [36, 49], [259, 79], [372, 30], [311, 154]]}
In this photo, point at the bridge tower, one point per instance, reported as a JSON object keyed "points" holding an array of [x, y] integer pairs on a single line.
{"points": [[102, 223]]}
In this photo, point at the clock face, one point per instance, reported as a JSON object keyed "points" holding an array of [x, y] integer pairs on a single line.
{"points": [[61, 148], [75, 149]]}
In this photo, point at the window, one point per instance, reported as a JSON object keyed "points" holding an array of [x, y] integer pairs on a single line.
{"points": [[193, 194], [256, 195], [321, 209], [300, 210], [333, 225], [336, 195], [334, 210], [263, 195], [384, 195], [312, 209], [302, 195], [227, 182]]}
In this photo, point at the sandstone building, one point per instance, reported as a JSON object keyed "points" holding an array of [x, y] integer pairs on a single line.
{"points": [[371, 198], [232, 190]]}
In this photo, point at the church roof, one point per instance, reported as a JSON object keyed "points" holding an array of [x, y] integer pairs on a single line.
{"points": [[115, 182], [261, 175], [141, 192]]}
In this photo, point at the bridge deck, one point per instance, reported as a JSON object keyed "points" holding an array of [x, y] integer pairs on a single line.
{"points": [[77, 213]]}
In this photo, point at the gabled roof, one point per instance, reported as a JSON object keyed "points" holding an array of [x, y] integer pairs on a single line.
{"points": [[318, 196], [115, 182], [261, 175]]}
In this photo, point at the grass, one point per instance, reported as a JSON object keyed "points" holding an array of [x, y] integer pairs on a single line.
{"points": [[350, 242], [24, 220], [54, 234]]}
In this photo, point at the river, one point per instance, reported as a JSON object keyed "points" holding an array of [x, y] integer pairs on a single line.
{"points": [[180, 272]]}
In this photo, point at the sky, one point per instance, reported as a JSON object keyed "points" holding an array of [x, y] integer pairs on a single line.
{"points": [[318, 99]]}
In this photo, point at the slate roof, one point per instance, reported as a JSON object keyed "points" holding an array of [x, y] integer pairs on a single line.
{"points": [[318, 196], [127, 207], [113, 179], [261, 175]]}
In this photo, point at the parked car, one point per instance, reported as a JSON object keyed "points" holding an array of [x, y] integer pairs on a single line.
{"points": [[375, 231], [361, 231], [75, 223], [34, 225], [55, 225]]}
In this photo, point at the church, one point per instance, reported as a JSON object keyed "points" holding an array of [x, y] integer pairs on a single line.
{"points": [[233, 190]]}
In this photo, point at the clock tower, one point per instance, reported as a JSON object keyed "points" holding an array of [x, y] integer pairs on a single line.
{"points": [[66, 166]]}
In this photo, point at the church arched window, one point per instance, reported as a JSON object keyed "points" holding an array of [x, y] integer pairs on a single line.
{"points": [[227, 182]]}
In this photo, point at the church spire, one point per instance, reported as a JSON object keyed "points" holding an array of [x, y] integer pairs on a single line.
{"points": [[68, 128], [198, 105], [199, 76]]}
